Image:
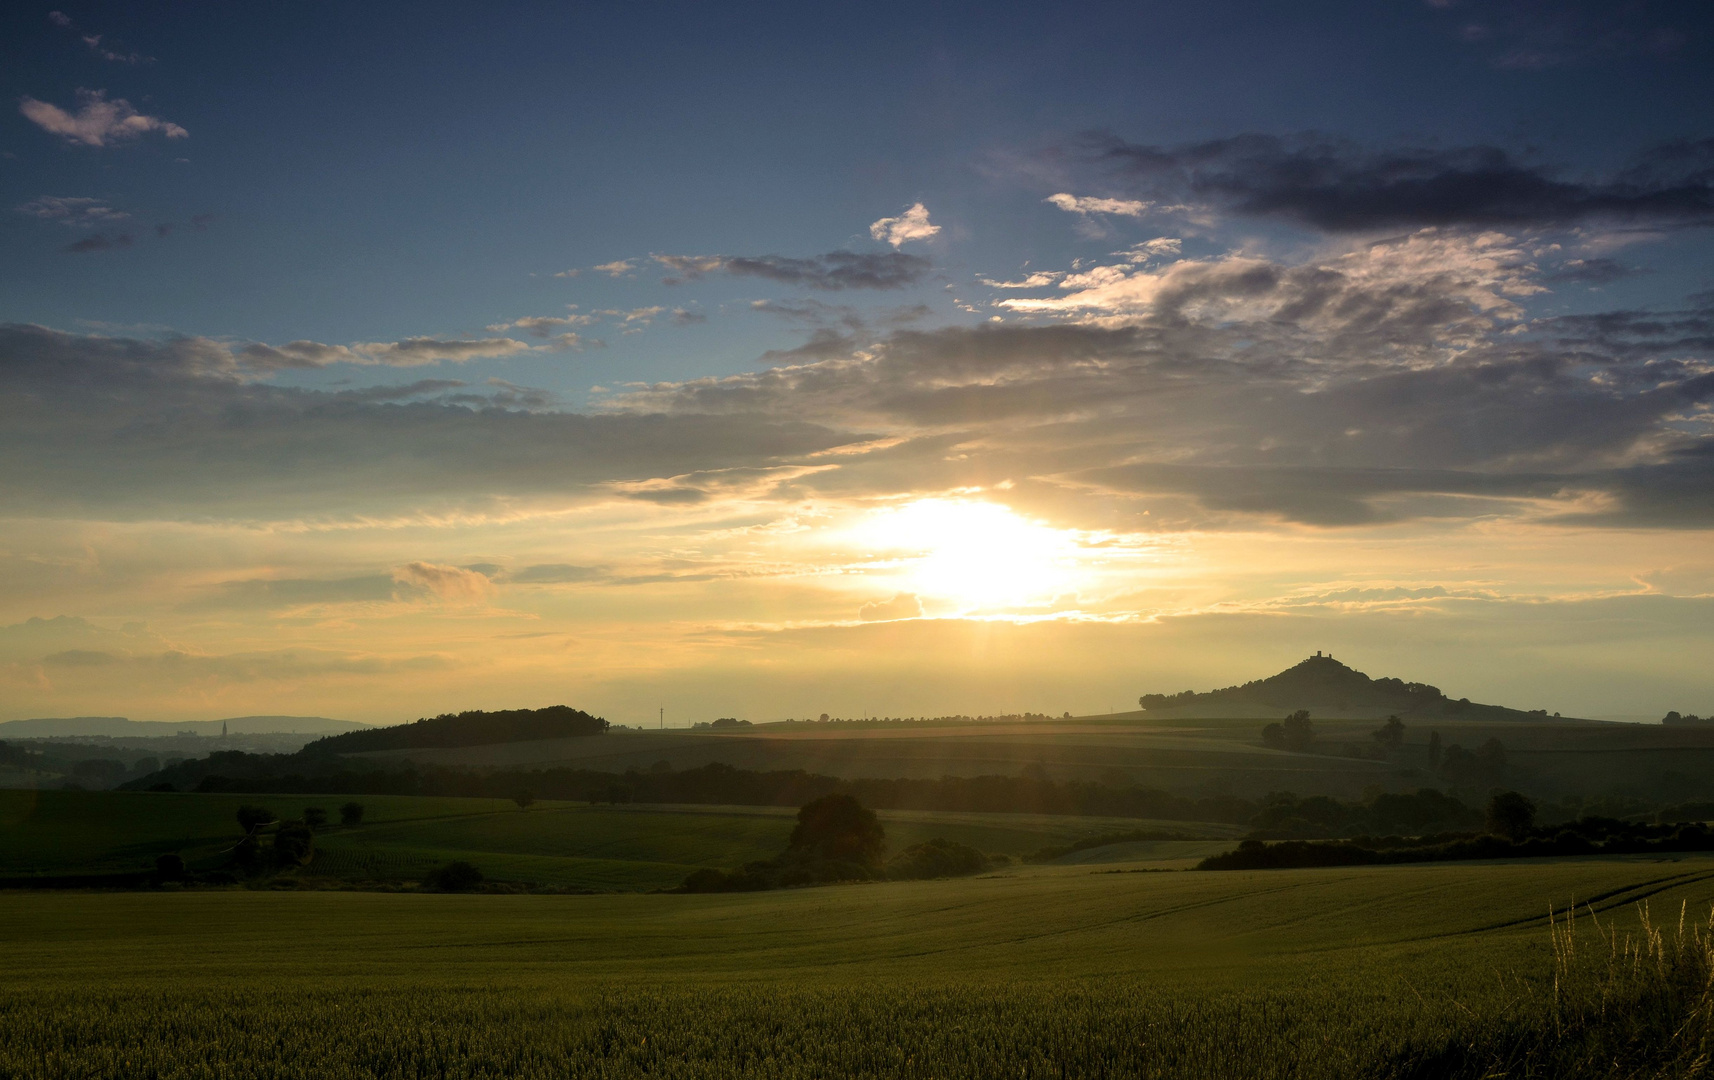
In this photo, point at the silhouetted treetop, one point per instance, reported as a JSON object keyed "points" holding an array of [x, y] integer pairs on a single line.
{"points": [[840, 828], [473, 728]]}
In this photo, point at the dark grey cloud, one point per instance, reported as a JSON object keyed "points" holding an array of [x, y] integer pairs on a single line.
{"points": [[1592, 271], [1342, 187], [114, 425], [834, 271], [99, 242]]}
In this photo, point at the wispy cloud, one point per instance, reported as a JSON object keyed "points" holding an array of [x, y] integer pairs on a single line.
{"points": [[913, 224], [833, 271], [1092, 205], [97, 43], [98, 121], [100, 242], [616, 268], [74, 211]]}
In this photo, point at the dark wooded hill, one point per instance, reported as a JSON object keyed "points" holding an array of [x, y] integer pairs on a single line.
{"points": [[473, 728], [1324, 686]]}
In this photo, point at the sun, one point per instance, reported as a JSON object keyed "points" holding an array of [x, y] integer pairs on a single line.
{"points": [[975, 555]]}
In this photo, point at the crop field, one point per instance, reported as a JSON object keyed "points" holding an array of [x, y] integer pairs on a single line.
{"points": [[1032, 971], [564, 844]]}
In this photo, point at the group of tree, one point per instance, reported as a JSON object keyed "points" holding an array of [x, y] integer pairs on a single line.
{"points": [[291, 843], [474, 727], [1508, 831], [837, 838]]}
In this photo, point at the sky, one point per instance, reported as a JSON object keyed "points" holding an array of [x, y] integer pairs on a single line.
{"points": [[687, 361]]}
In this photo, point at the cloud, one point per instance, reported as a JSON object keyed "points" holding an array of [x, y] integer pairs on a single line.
{"points": [[1388, 382], [1041, 279], [542, 326], [74, 211], [614, 269], [450, 584], [913, 224], [94, 42], [902, 606], [125, 427], [1091, 205], [1341, 187], [98, 122], [555, 574], [684, 317], [276, 593], [832, 272], [412, 352], [1592, 271], [99, 242]]}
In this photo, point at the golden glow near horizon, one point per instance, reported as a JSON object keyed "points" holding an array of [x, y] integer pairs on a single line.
{"points": [[976, 556]]}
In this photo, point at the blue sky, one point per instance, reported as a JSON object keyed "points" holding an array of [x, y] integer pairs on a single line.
{"points": [[1427, 281]]}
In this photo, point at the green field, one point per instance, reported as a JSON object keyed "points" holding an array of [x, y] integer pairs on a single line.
{"points": [[563, 844], [1197, 756], [1033, 971]]}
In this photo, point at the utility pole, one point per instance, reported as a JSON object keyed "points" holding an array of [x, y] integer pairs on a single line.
{"points": [[663, 718]]}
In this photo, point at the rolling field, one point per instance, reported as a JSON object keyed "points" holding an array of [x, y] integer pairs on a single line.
{"points": [[564, 844], [1057, 971], [1189, 756]]}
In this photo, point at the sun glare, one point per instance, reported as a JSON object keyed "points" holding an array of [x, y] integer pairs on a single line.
{"points": [[976, 555]]}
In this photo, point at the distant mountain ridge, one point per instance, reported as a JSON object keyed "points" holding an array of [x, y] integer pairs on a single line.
{"points": [[1326, 687], [49, 727]]}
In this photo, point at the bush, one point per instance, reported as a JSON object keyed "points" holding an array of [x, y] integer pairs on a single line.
{"points": [[294, 844], [315, 817], [524, 799], [351, 814], [937, 858], [454, 877]]}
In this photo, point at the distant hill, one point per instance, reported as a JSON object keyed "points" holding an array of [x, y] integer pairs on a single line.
{"points": [[474, 728], [120, 727], [1326, 687]]}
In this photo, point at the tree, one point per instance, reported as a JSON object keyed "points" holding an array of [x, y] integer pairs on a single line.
{"points": [[1510, 815], [351, 814], [315, 817], [840, 828], [169, 867], [1298, 732], [1390, 734], [524, 799], [457, 876], [1274, 736], [1434, 749], [251, 818]]}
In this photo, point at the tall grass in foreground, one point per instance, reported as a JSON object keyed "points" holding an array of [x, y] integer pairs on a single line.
{"points": [[1615, 1004]]}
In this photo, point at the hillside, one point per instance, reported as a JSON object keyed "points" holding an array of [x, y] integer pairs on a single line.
{"points": [[58, 727], [475, 727], [1324, 686]]}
